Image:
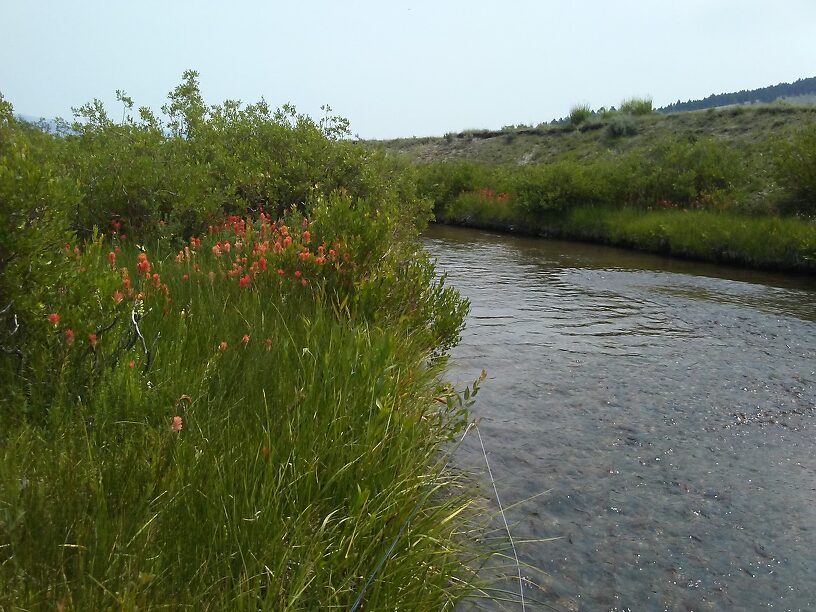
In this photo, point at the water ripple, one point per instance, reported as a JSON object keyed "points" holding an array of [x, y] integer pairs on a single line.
{"points": [[668, 406]]}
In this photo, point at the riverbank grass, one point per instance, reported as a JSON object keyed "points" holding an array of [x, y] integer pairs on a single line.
{"points": [[763, 242], [259, 450]]}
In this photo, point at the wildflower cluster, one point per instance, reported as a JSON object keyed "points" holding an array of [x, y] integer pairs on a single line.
{"points": [[244, 249], [491, 196]]}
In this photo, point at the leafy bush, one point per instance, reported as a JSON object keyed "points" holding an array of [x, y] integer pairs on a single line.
{"points": [[555, 187], [685, 173], [795, 164], [621, 124], [208, 160]]}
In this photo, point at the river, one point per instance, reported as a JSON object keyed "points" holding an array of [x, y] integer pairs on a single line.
{"points": [[665, 409]]}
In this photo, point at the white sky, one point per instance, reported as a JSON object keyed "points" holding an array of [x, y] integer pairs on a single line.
{"points": [[401, 67]]}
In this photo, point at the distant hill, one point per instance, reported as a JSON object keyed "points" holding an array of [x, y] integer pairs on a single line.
{"points": [[749, 126], [802, 91]]}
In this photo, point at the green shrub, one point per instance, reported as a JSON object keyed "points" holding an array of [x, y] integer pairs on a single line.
{"points": [[621, 124], [681, 173], [212, 159], [555, 187], [795, 164]]}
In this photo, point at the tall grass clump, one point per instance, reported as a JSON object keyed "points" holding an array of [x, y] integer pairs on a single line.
{"points": [[636, 106], [579, 114], [233, 403]]}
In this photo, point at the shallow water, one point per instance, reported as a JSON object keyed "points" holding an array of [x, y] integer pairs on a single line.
{"points": [[668, 407]]}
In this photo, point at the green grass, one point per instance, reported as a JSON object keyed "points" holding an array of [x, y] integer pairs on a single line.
{"points": [[765, 242], [776, 243], [311, 434]]}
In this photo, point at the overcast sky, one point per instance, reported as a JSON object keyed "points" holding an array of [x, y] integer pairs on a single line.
{"points": [[401, 67]]}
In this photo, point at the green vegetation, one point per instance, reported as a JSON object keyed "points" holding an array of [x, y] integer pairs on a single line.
{"points": [[221, 358], [579, 114], [734, 185], [636, 106]]}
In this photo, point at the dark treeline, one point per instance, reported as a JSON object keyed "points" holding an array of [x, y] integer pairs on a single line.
{"points": [[800, 87]]}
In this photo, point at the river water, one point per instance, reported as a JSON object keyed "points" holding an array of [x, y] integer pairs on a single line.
{"points": [[665, 409]]}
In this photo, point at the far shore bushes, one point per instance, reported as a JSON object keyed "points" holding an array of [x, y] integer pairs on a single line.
{"points": [[683, 196]]}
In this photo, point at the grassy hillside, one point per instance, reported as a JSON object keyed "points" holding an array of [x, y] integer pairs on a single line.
{"points": [[747, 127]]}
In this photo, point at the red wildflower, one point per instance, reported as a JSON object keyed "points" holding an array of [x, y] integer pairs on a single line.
{"points": [[268, 343], [244, 281], [132, 364], [69, 336], [298, 273], [186, 277], [307, 236], [176, 424], [262, 263], [222, 347], [281, 272], [54, 318], [92, 339], [245, 339], [117, 296], [143, 265], [112, 259]]}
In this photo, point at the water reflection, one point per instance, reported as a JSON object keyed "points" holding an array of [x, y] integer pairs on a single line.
{"points": [[668, 406]]}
